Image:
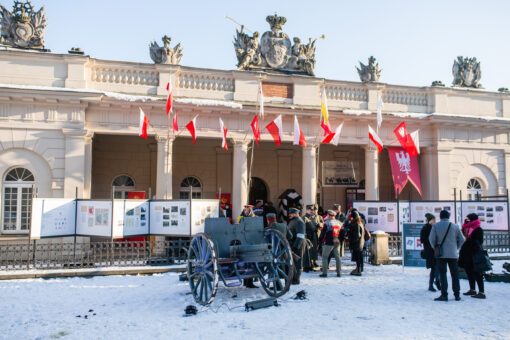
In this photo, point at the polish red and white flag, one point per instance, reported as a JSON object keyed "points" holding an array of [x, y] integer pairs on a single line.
{"points": [[192, 126], [334, 137], [415, 137], [276, 130], [175, 125], [375, 139], [299, 137], [170, 99], [326, 127], [406, 140], [144, 123], [255, 129], [224, 130]]}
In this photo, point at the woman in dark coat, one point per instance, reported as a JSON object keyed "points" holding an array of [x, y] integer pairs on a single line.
{"points": [[429, 252], [356, 241], [473, 232]]}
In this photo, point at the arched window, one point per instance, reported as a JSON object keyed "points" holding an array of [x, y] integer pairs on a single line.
{"points": [[474, 189], [190, 184], [17, 200], [122, 185]]}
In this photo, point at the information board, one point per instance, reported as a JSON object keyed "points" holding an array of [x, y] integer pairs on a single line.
{"points": [[404, 214], [419, 209], [130, 218], [412, 245], [170, 218], [493, 215], [340, 173], [52, 217], [379, 215], [200, 210], [94, 218]]}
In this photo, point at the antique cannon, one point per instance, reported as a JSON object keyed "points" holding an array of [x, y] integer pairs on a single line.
{"points": [[233, 252]]}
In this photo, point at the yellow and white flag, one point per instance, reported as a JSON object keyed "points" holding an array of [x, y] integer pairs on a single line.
{"points": [[324, 106]]}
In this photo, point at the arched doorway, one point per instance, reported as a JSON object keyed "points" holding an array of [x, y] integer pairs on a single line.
{"points": [[17, 200], [258, 190]]}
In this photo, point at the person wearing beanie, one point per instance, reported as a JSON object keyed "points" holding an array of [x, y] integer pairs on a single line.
{"points": [[428, 252], [447, 238], [473, 232]]}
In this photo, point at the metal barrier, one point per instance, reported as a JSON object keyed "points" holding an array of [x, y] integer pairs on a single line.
{"points": [[22, 256]]}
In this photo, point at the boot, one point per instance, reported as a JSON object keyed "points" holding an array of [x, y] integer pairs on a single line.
{"points": [[297, 275], [480, 295], [441, 298], [457, 297], [323, 275], [470, 292], [432, 289]]}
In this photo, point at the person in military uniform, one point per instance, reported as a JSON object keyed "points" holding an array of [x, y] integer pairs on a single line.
{"points": [[337, 208], [281, 227], [297, 243], [331, 238], [313, 228]]}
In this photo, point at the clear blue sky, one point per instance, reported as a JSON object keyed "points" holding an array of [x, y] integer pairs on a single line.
{"points": [[415, 42]]}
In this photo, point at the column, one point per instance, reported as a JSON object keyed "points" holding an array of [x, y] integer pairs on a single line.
{"points": [[309, 175], [428, 173], [164, 168], [371, 173], [506, 153], [74, 162], [239, 178], [444, 190], [87, 185]]}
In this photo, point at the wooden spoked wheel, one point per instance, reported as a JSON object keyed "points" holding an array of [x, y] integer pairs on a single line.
{"points": [[202, 269]]}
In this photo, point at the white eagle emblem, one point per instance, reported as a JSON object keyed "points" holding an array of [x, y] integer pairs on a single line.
{"points": [[404, 162]]}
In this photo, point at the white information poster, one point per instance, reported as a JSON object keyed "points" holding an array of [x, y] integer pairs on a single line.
{"points": [[493, 215], [170, 218], [130, 218], [379, 215], [404, 215], [200, 210], [419, 209], [94, 218], [52, 217]]}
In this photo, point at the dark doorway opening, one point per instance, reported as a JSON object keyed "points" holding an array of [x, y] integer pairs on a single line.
{"points": [[258, 190]]}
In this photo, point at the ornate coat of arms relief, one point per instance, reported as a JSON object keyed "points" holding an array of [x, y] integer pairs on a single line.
{"points": [[23, 28], [466, 72]]}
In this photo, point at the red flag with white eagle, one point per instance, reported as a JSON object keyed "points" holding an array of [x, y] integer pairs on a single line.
{"points": [[334, 137], [326, 127], [191, 126], [375, 139], [404, 168], [406, 140], [255, 129], [224, 130], [144, 123], [275, 128], [175, 125], [170, 99], [299, 137]]}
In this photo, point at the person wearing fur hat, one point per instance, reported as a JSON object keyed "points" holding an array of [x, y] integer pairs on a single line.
{"points": [[356, 241], [473, 232], [428, 252]]}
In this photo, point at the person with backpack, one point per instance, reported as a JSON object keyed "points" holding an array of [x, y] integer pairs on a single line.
{"points": [[331, 237], [473, 232], [428, 252], [446, 238]]}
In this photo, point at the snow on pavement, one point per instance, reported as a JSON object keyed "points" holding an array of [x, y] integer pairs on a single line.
{"points": [[385, 303]]}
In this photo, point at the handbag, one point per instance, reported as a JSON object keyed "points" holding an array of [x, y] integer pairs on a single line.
{"points": [[481, 260], [438, 250], [422, 254]]}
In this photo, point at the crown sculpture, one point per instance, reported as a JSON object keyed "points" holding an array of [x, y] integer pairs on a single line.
{"points": [[165, 54], [23, 28], [275, 50], [466, 72], [370, 72]]}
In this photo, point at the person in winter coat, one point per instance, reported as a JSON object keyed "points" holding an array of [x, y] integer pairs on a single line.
{"points": [[297, 243], [331, 237], [450, 236], [313, 230], [281, 227], [428, 252], [356, 241], [473, 232]]}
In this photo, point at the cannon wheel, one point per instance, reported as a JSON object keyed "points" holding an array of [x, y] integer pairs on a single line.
{"points": [[202, 269], [276, 276]]}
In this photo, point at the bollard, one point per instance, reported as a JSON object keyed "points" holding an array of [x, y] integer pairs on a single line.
{"points": [[380, 249]]}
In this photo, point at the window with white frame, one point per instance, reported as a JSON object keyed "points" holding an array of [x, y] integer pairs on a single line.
{"points": [[122, 185], [17, 201], [474, 189], [190, 184]]}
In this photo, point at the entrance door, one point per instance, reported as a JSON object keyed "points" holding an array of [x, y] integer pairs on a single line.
{"points": [[258, 190]]}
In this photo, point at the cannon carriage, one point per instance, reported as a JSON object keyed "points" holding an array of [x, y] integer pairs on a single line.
{"points": [[235, 252]]}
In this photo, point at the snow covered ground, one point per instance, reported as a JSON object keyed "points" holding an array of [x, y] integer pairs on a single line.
{"points": [[385, 303]]}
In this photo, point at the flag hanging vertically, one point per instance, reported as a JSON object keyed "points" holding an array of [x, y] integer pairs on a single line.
{"points": [[326, 127], [261, 102], [324, 106], [170, 99], [224, 130], [405, 139], [192, 126], [375, 139], [276, 130], [255, 129], [379, 112], [415, 137], [404, 168], [299, 137], [144, 122], [175, 125], [334, 137]]}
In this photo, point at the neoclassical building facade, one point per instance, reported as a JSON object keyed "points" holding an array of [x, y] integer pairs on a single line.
{"points": [[69, 124]]}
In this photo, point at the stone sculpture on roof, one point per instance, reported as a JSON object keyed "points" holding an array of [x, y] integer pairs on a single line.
{"points": [[23, 28], [275, 50], [466, 72], [370, 72], [165, 54]]}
